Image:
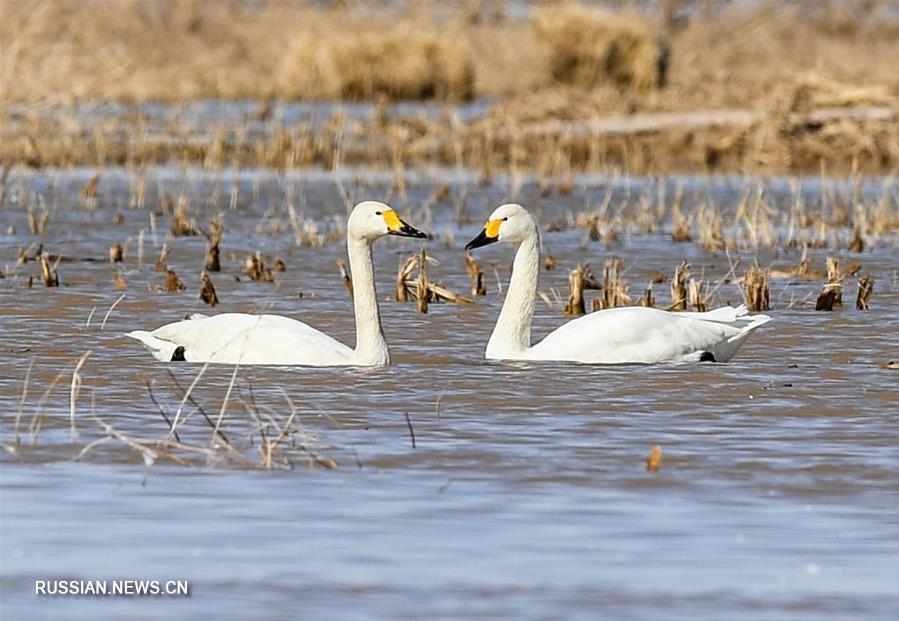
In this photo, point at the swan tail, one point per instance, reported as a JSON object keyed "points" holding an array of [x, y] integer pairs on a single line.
{"points": [[162, 350], [747, 324]]}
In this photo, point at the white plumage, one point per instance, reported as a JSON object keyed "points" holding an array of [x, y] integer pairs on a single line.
{"points": [[236, 338], [632, 334]]}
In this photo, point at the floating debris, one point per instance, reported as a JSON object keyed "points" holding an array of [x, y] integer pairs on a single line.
{"points": [[865, 291], [207, 292], [655, 459], [119, 281], [279, 265], [549, 262]]}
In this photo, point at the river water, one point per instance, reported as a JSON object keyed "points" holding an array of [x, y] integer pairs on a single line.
{"points": [[525, 494]]}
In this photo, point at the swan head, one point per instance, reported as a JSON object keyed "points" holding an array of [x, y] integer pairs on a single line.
{"points": [[508, 223], [372, 220]]}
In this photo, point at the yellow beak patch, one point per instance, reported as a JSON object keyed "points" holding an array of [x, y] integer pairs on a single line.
{"points": [[392, 220], [491, 229]]}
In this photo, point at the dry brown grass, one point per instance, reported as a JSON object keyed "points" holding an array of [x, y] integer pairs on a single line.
{"points": [[559, 66], [587, 47]]}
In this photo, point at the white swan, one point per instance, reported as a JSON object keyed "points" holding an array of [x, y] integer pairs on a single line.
{"points": [[616, 335], [235, 338]]}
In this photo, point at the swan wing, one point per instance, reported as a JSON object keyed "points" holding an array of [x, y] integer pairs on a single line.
{"points": [[644, 335], [235, 338]]}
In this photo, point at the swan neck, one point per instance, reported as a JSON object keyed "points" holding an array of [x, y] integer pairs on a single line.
{"points": [[371, 347], [512, 334]]}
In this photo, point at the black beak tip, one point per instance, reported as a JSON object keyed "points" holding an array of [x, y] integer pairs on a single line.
{"points": [[480, 240]]}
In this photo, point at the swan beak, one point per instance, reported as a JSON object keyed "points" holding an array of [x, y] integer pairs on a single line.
{"points": [[488, 235], [396, 226]]}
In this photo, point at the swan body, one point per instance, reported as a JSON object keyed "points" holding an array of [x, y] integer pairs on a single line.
{"points": [[632, 334], [237, 338]]}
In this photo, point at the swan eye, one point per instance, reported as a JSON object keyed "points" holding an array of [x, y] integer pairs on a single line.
{"points": [[506, 218], [378, 213]]}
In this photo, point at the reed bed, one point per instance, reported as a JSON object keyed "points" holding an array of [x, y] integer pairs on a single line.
{"points": [[573, 88]]}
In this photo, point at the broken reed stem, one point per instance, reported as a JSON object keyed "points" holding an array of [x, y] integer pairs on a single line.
{"points": [[831, 295], [172, 282], [614, 288], [73, 394], [51, 279], [865, 291], [755, 289], [575, 305], [255, 268], [402, 275], [695, 295], [347, 280], [22, 399], [207, 291], [476, 275], [162, 413], [647, 300], [109, 311], [116, 253], [424, 291], [214, 240], [187, 396], [679, 287], [218, 422]]}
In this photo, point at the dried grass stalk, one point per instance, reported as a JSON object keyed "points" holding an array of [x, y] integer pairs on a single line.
{"points": [[695, 296], [423, 290], [865, 291], [614, 287], [647, 299], [51, 278], [476, 275], [172, 282], [575, 305], [831, 295], [116, 253], [213, 247], [679, 287], [755, 289], [181, 224], [255, 268], [589, 46], [680, 226], [207, 292]]}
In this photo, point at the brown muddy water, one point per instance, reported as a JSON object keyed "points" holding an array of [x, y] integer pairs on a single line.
{"points": [[526, 493]]}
